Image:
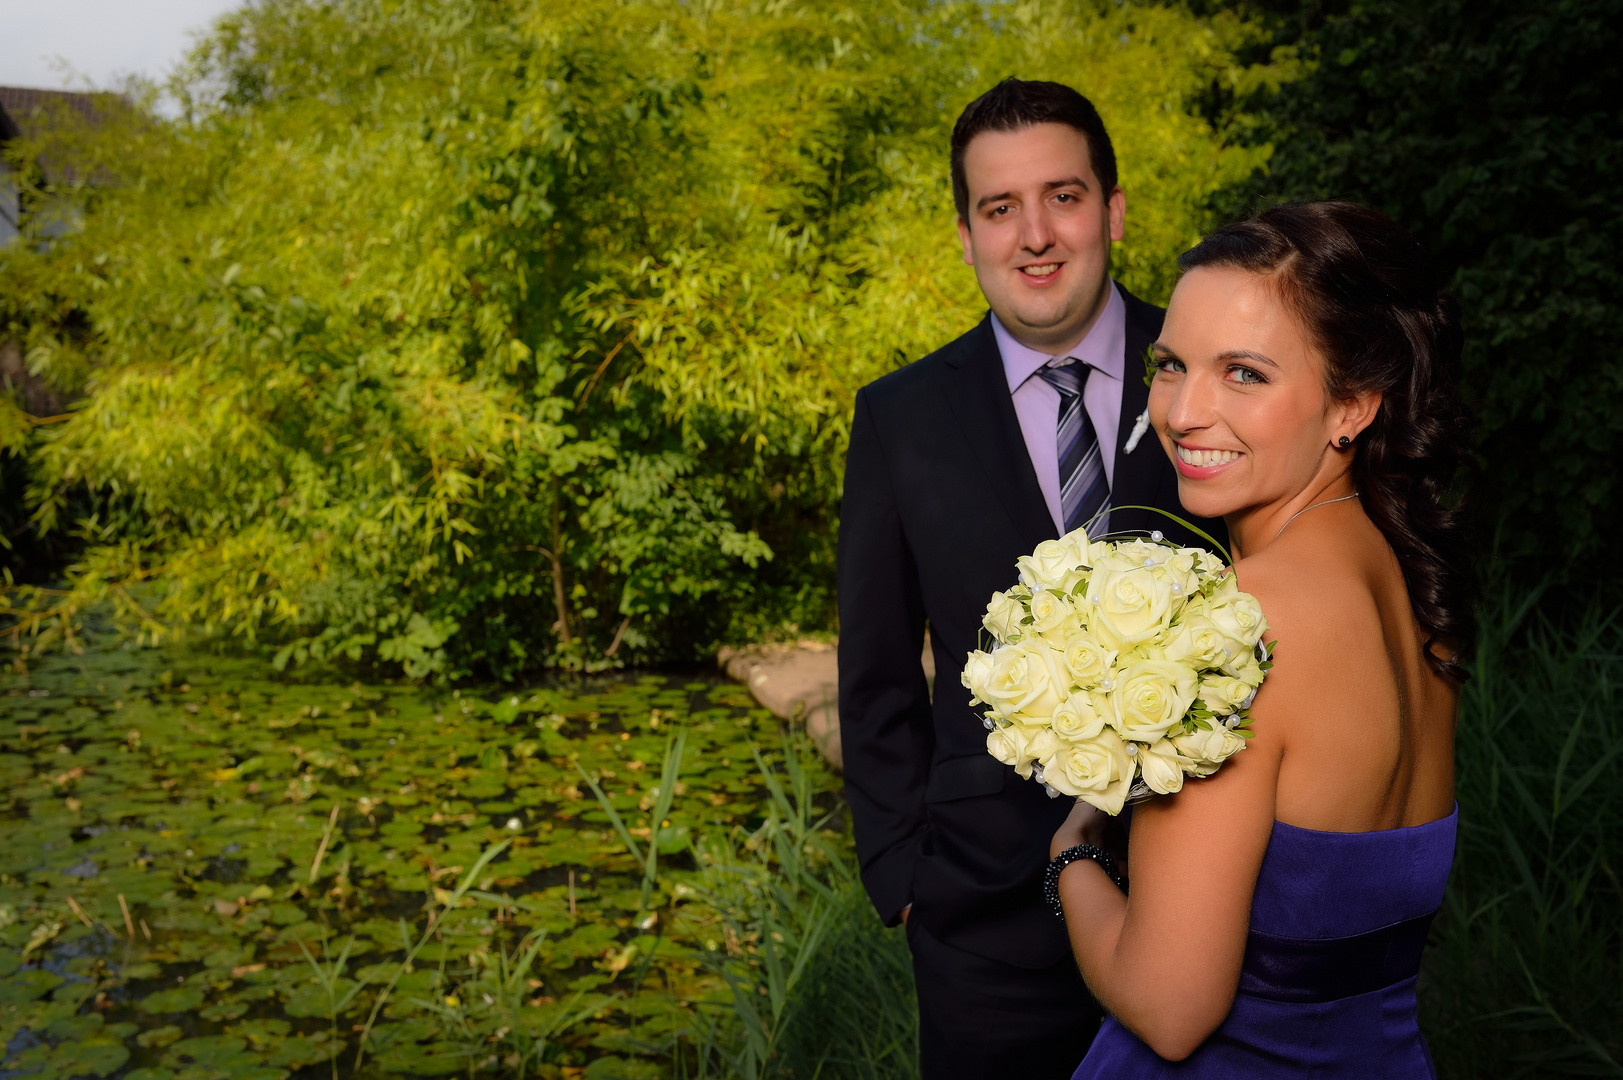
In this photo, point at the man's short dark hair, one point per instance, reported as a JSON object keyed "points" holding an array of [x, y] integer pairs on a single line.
{"points": [[1014, 104]]}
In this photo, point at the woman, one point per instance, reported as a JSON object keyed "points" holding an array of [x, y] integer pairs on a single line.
{"points": [[1278, 909]]}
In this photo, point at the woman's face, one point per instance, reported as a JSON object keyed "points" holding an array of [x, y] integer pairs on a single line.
{"points": [[1239, 399]]}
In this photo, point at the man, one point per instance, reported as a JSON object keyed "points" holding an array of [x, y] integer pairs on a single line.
{"points": [[1024, 428]]}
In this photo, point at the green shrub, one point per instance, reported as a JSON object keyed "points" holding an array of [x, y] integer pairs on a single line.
{"points": [[474, 336], [1489, 128]]}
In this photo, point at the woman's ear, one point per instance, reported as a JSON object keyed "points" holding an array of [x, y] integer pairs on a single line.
{"points": [[1357, 413]]}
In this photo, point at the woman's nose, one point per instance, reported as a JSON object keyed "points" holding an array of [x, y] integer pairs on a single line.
{"points": [[1191, 408]]}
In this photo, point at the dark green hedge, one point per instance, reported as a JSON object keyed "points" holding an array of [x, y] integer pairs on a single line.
{"points": [[1494, 130]]}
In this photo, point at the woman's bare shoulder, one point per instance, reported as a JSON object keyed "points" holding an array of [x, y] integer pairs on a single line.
{"points": [[1322, 618]]}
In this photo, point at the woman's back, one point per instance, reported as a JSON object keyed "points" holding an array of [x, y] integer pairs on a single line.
{"points": [[1370, 741]]}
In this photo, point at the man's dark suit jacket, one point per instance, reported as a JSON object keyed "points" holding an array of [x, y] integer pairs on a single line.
{"points": [[940, 500]]}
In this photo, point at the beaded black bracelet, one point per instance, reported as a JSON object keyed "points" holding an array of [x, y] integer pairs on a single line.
{"points": [[1069, 856]]}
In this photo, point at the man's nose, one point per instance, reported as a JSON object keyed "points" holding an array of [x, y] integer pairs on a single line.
{"points": [[1037, 232]]}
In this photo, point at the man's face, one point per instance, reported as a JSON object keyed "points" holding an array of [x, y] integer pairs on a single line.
{"points": [[1038, 232]]}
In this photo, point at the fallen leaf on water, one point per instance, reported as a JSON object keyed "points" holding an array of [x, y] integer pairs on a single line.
{"points": [[619, 961], [42, 936]]}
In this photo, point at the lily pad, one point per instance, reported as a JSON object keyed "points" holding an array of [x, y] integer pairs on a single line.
{"points": [[180, 999], [159, 1037], [89, 1058], [28, 985]]}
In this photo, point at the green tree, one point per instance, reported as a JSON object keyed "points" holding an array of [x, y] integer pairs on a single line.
{"points": [[469, 336], [1491, 129]]}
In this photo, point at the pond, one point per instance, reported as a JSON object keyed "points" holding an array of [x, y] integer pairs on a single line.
{"points": [[208, 872]]}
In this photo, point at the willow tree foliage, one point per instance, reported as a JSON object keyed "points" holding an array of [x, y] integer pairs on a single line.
{"points": [[473, 335]]}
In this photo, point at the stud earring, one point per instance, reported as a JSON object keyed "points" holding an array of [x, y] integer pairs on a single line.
{"points": [[1343, 441]]}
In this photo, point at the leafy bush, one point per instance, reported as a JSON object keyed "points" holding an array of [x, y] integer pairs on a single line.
{"points": [[470, 336], [1490, 129]]}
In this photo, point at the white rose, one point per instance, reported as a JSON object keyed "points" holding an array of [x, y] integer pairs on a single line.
{"points": [[1149, 696], [1076, 720], [1048, 566], [1236, 614], [1247, 668], [1138, 552], [1206, 564], [1087, 660], [1077, 538], [1003, 615], [1127, 604], [1041, 745], [1162, 767], [1008, 745], [1181, 569], [1197, 642], [1005, 688], [977, 676], [1224, 695], [1098, 771], [1027, 681], [1205, 750], [1050, 614]]}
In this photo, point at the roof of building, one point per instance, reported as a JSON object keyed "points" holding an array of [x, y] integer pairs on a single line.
{"points": [[29, 113], [26, 111]]}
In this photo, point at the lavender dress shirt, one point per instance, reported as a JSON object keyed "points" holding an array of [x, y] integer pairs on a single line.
{"points": [[1036, 403]]}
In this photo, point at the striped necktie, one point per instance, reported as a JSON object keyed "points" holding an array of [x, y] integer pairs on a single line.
{"points": [[1084, 490]]}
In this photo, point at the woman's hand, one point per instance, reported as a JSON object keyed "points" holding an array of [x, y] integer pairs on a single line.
{"points": [[1086, 825]]}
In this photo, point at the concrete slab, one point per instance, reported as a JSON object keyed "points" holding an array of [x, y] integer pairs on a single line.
{"points": [[800, 681]]}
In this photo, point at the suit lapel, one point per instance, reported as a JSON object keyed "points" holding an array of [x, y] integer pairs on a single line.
{"points": [[1137, 477], [978, 393]]}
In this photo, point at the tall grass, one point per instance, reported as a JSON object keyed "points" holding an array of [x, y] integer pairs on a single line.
{"points": [[816, 986], [1524, 975], [822, 989]]}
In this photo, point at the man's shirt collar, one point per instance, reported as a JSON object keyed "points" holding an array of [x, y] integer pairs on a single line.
{"points": [[1104, 349]]}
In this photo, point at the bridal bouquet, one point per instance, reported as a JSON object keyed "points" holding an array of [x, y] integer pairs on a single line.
{"points": [[1119, 669]]}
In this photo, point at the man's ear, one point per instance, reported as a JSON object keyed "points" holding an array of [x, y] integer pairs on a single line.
{"points": [[1357, 413], [963, 238], [1117, 206]]}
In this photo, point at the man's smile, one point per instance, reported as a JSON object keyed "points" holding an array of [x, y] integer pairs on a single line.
{"points": [[1041, 271]]}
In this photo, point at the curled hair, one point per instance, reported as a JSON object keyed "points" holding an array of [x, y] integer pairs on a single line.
{"points": [[1366, 293]]}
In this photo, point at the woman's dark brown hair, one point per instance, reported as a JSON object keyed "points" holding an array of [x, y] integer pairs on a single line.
{"points": [[1366, 292]]}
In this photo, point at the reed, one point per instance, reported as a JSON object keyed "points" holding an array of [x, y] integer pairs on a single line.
{"points": [[1523, 977]]}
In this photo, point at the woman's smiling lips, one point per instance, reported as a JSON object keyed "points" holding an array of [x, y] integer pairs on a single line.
{"points": [[1200, 463]]}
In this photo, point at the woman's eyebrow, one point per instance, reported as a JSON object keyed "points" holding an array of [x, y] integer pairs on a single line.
{"points": [[1246, 354]]}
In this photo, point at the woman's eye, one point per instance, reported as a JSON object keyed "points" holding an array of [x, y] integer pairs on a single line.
{"points": [[1169, 365], [1246, 375]]}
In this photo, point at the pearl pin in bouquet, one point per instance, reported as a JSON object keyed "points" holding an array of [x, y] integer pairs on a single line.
{"points": [[1119, 668]]}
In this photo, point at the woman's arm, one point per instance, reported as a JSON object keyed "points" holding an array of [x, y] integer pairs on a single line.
{"points": [[1167, 962]]}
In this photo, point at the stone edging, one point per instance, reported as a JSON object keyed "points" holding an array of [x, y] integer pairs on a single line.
{"points": [[800, 681]]}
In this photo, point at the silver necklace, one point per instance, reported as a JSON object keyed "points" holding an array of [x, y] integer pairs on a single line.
{"points": [[1305, 509]]}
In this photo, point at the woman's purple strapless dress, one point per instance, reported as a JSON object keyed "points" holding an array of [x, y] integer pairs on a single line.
{"points": [[1328, 985]]}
